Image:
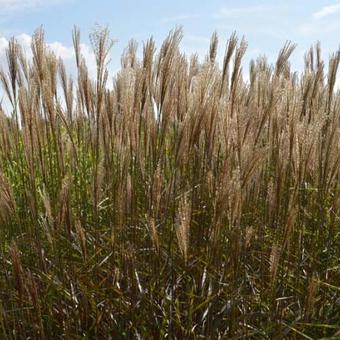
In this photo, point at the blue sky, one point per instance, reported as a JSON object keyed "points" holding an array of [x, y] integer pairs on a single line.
{"points": [[265, 24]]}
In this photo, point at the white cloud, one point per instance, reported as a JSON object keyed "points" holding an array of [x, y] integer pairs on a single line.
{"points": [[318, 30], [196, 38], [326, 11], [66, 53], [237, 12], [16, 5], [179, 18], [24, 39], [3, 44]]}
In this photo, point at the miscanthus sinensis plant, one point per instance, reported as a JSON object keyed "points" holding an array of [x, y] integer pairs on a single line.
{"points": [[185, 202]]}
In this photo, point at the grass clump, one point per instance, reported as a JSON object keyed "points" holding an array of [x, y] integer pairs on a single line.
{"points": [[184, 202]]}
